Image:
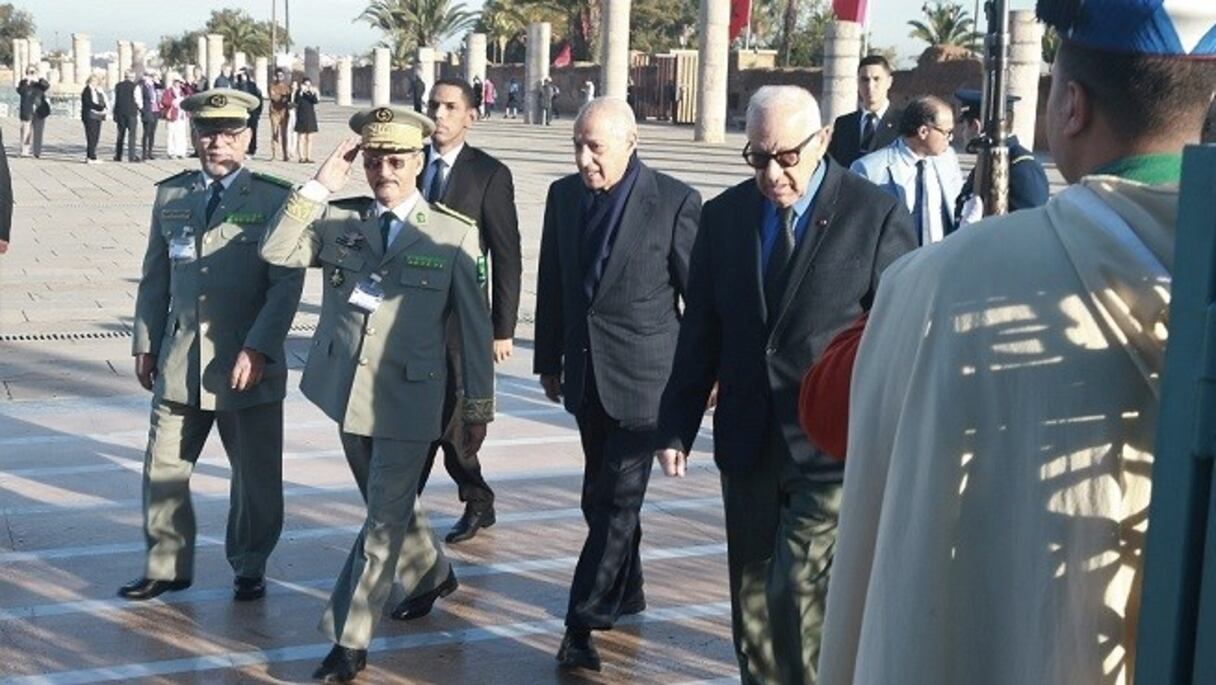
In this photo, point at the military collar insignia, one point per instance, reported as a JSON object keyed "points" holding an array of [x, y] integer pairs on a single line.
{"points": [[481, 271], [175, 214], [352, 239], [425, 262], [420, 218]]}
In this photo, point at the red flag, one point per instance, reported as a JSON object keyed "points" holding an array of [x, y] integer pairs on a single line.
{"points": [[740, 16], [850, 10], [564, 56]]}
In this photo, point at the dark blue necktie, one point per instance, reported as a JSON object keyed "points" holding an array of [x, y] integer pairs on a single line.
{"points": [[435, 191], [918, 209], [868, 131], [217, 190], [386, 225], [779, 258]]}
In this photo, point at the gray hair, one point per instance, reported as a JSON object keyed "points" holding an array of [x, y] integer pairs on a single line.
{"points": [[794, 103], [615, 110]]}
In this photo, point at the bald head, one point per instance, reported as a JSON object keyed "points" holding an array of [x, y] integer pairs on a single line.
{"points": [[605, 137]]}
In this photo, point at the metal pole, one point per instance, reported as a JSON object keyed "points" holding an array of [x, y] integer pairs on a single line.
{"points": [[274, 7], [287, 24]]}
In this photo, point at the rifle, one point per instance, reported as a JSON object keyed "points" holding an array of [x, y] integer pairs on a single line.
{"points": [[992, 145]]}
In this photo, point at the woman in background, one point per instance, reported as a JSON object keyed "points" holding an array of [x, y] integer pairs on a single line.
{"points": [[305, 101]]}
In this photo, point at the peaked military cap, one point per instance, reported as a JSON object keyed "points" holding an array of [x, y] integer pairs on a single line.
{"points": [[221, 103], [970, 101], [1162, 28], [391, 129]]}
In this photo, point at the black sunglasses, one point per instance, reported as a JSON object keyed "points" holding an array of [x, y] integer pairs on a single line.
{"points": [[785, 158]]}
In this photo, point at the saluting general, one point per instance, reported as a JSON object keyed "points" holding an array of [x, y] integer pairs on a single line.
{"points": [[394, 268], [210, 321]]}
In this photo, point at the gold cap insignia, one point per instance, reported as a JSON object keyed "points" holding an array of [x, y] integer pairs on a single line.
{"points": [[383, 115], [217, 101]]}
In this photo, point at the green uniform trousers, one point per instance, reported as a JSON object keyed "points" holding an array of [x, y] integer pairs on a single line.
{"points": [[780, 535], [253, 439], [396, 542]]}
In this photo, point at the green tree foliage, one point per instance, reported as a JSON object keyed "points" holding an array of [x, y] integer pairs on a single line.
{"points": [[240, 31], [660, 25], [14, 23], [410, 24], [180, 50], [945, 23]]}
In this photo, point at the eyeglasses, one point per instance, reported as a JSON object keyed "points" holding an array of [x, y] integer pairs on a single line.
{"points": [[944, 131], [394, 163], [227, 135], [758, 159]]}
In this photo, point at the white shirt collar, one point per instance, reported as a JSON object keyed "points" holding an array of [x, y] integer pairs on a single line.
{"points": [[225, 181], [882, 111], [403, 209], [449, 157]]}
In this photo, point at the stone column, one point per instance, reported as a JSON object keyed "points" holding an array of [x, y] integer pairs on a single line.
{"points": [[381, 77], [82, 54], [714, 47], [215, 56], [841, 55], [344, 81], [312, 66], [536, 67], [239, 61], [21, 47], [124, 57], [33, 55], [475, 57], [424, 66], [113, 74], [139, 58], [52, 76], [261, 73], [1025, 61], [614, 77], [67, 71], [200, 53]]}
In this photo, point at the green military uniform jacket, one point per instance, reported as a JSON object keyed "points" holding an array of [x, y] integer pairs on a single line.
{"points": [[383, 374], [196, 315]]}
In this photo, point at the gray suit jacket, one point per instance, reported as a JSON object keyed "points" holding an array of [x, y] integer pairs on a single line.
{"points": [[628, 330], [383, 374], [197, 315]]}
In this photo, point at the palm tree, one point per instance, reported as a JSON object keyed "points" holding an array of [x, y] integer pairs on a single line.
{"points": [[410, 24], [945, 24], [241, 33], [502, 22]]}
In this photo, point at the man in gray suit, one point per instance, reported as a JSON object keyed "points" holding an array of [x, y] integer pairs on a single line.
{"points": [[210, 321], [613, 267], [394, 267]]}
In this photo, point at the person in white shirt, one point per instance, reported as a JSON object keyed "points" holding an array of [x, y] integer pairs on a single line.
{"points": [[920, 167]]}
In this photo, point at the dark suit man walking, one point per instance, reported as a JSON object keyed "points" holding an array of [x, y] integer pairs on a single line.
{"points": [[872, 126], [613, 267], [783, 261], [126, 115], [480, 187]]}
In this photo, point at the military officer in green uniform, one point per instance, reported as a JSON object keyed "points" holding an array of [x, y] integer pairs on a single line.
{"points": [[394, 267], [210, 321]]}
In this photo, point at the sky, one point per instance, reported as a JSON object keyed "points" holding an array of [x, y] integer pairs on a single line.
{"points": [[326, 23]]}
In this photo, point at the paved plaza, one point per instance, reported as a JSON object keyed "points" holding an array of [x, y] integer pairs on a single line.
{"points": [[73, 422]]}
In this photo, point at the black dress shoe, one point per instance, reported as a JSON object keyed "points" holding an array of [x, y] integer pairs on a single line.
{"points": [[245, 588], [472, 521], [417, 607], [147, 588], [341, 665], [577, 651], [634, 605]]}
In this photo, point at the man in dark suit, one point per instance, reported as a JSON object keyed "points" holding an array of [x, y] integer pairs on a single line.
{"points": [[872, 126], [480, 187], [6, 199], [245, 82], [782, 262], [127, 103], [613, 266]]}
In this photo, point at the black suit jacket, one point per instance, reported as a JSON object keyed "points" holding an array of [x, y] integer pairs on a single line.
{"points": [[481, 188], [124, 99], [32, 95], [628, 330], [845, 147], [855, 231]]}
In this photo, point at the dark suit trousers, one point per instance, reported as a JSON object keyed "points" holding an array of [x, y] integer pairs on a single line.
{"points": [[461, 464], [149, 137], [92, 133], [253, 135], [127, 126], [616, 472]]}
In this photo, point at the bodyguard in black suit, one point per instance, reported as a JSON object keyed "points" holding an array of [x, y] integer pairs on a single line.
{"points": [[126, 115], [873, 126], [613, 266], [781, 264], [480, 187]]}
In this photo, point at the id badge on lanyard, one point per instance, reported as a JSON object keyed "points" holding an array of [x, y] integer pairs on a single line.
{"points": [[368, 294]]}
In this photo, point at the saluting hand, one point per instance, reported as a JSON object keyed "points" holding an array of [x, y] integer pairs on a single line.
{"points": [[333, 171], [674, 462], [247, 371]]}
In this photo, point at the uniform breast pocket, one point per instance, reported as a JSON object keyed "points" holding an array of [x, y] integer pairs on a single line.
{"points": [[241, 236], [427, 279], [342, 257]]}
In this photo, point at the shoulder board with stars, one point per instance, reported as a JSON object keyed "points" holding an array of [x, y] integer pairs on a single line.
{"points": [[444, 209], [275, 180], [174, 177]]}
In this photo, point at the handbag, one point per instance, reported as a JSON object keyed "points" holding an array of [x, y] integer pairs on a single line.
{"points": [[44, 110]]}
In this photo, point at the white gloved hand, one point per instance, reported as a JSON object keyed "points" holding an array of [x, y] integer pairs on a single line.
{"points": [[973, 211]]}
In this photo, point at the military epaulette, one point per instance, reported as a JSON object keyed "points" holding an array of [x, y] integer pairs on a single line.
{"points": [[444, 209], [274, 179], [174, 177]]}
